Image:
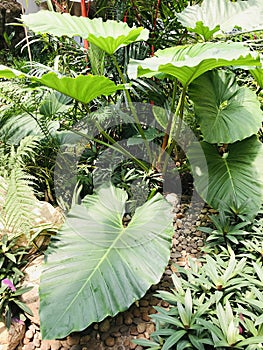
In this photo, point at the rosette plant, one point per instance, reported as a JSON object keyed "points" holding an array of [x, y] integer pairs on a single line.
{"points": [[101, 259]]}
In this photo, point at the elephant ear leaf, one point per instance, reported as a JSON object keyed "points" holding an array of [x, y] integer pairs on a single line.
{"points": [[96, 267], [222, 16], [230, 177], [226, 113], [186, 63], [83, 88], [108, 36]]}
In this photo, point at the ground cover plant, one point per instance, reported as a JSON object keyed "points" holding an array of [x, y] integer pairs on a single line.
{"points": [[194, 82]]}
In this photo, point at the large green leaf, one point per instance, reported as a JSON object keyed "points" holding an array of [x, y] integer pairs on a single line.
{"points": [[221, 16], [109, 35], [83, 88], [55, 103], [231, 177], [19, 126], [186, 63], [97, 267], [226, 113]]}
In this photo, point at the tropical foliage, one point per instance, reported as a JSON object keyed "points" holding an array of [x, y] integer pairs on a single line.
{"points": [[91, 127]]}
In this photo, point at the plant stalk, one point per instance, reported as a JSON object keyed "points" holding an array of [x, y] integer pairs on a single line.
{"points": [[133, 111]]}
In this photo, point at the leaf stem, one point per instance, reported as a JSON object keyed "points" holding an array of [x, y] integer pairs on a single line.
{"points": [[133, 111]]}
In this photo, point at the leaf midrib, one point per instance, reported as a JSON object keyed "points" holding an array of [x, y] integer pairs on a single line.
{"points": [[104, 257]]}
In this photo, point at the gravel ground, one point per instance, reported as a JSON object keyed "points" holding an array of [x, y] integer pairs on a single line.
{"points": [[117, 333]]}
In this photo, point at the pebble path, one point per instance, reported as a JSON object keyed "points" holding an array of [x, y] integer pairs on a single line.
{"points": [[116, 333]]}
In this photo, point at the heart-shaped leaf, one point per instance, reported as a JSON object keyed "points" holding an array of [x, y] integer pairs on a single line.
{"points": [[222, 16], [83, 88], [109, 35], [232, 176], [226, 113], [97, 267], [186, 63]]}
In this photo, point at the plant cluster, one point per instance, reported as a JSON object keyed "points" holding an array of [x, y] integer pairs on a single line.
{"points": [[217, 302]]}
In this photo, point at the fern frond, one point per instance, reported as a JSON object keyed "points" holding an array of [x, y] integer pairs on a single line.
{"points": [[19, 202], [26, 149]]}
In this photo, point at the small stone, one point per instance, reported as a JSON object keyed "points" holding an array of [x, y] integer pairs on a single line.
{"points": [[133, 331], [124, 329], [128, 319], [138, 347], [164, 303], [104, 326], [150, 328], [144, 302], [73, 339], [120, 347], [137, 320], [33, 328], [145, 317], [29, 334], [152, 310], [110, 341], [179, 223], [26, 341], [85, 339], [141, 327], [76, 347], [154, 301], [36, 342], [29, 346], [96, 326], [116, 334], [55, 344], [64, 344], [126, 342], [45, 345], [132, 346], [198, 233], [119, 320], [136, 312]]}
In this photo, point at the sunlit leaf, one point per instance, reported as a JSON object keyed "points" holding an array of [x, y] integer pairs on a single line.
{"points": [[186, 63], [109, 35], [97, 267], [222, 16], [83, 88], [231, 176], [226, 112]]}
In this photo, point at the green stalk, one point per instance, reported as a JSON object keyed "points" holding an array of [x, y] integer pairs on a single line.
{"points": [[114, 145], [134, 114], [119, 148], [178, 113]]}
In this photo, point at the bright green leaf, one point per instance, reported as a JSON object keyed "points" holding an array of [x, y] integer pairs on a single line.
{"points": [[228, 177], [186, 63], [226, 113], [108, 36], [222, 16], [97, 267], [83, 88]]}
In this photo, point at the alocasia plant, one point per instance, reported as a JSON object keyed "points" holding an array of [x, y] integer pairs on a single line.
{"points": [[97, 264], [100, 257]]}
